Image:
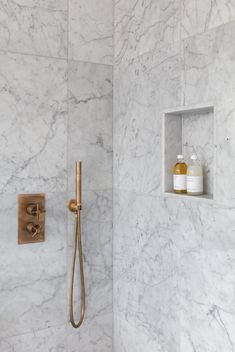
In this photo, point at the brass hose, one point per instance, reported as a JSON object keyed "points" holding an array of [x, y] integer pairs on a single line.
{"points": [[77, 244], [75, 207]]}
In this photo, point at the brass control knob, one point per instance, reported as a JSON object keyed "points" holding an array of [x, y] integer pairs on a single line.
{"points": [[34, 210], [34, 229]]}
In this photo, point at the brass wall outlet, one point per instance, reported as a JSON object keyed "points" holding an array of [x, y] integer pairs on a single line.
{"points": [[31, 218]]}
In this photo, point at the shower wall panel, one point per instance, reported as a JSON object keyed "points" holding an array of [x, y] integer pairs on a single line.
{"points": [[90, 140], [173, 257], [54, 110]]}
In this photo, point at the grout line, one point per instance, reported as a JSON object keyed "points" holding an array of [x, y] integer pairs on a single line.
{"points": [[207, 30], [90, 62], [52, 57], [67, 191], [113, 149]]}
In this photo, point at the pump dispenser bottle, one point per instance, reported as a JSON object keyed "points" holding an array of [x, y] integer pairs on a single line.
{"points": [[194, 177], [179, 177]]}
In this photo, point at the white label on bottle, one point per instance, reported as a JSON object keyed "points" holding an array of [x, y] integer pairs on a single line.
{"points": [[195, 184], [179, 182]]}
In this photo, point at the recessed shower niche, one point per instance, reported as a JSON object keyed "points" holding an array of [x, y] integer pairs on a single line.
{"points": [[190, 131]]}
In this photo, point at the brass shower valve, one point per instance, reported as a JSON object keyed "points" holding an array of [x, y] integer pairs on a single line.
{"points": [[31, 218]]}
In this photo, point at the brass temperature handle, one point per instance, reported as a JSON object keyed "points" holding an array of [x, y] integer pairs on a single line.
{"points": [[34, 229], [34, 210]]}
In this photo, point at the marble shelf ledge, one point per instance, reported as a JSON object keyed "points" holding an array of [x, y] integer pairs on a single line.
{"points": [[203, 197]]}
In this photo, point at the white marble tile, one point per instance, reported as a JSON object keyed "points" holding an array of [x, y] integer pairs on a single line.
{"points": [[34, 27], [207, 259], [141, 26], [207, 305], [33, 276], [49, 340], [202, 15], [173, 257], [209, 76], [143, 88], [95, 335], [97, 252], [173, 274], [90, 124], [96, 206], [209, 66], [96, 332], [33, 124], [91, 31], [226, 151], [146, 262]]}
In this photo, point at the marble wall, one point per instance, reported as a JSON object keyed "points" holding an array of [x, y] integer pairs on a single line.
{"points": [[55, 108], [173, 257]]}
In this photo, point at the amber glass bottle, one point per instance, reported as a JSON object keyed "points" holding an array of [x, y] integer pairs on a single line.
{"points": [[180, 175]]}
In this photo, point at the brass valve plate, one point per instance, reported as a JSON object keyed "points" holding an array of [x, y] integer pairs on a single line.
{"points": [[31, 227]]}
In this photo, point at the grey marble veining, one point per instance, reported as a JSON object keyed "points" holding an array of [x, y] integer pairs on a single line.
{"points": [[96, 332], [141, 26], [33, 277], [34, 27], [173, 256], [49, 340], [90, 140], [202, 15], [143, 88], [91, 31], [90, 124], [54, 112], [209, 76], [33, 124], [179, 258], [209, 66]]}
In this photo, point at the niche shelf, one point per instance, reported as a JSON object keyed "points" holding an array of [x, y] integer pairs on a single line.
{"points": [[187, 131]]}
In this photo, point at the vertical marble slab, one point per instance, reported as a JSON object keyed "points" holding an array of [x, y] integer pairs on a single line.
{"points": [[32, 277], [90, 140], [91, 31], [142, 26], [209, 76], [144, 87], [90, 124], [146, 263], [151, 232], [201, 15], [38, 28], [96, 331], [33, 124], [226, 152], [207, 280]]}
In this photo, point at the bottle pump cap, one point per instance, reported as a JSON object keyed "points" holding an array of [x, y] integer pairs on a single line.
{"points": [[193, 157]]}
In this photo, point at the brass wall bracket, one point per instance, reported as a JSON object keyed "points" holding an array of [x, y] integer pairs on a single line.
{"points": [[31, 218]]}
